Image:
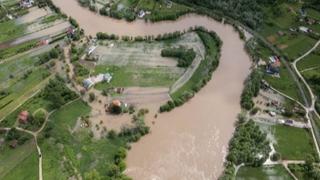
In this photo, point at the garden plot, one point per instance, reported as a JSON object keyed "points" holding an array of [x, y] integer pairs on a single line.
{"points": [[51, 31], [140, 63], [144, 54], [34, 14]]}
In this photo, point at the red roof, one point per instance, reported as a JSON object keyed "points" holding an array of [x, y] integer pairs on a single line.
{"points": [[23, 116]]}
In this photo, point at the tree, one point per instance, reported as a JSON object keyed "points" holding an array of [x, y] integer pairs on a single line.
{"points": [[39, 117], [92, 96], [92, 175]]}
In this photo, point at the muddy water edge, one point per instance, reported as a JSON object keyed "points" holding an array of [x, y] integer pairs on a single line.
{"points": [[191, 141]]}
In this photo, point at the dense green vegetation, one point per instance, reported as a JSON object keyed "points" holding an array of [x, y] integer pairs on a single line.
{"points": [[57, 93], [185, 56], [263, 173], [307, 171], [203, 73], [251, 89], [248, 145], [129, 9]]}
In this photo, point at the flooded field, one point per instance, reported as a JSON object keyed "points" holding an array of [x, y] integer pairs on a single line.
{"points": [[191, 141]]}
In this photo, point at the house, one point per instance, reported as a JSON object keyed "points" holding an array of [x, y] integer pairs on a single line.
{"points": [[304, 29], [91, 81], [26, 3], [273, 66], [23, 117], [141, 14], [87, 83]]}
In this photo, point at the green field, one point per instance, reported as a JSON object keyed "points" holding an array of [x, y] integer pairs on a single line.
{"points": [[80, 150], [277, 172], [126, 76], [22, 90], [284, 84], [19, 163], [9, 31], [28, 169], [293, 143], [311, 61], [14, 50]]}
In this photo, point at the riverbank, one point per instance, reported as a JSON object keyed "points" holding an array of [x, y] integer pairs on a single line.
{"points": [[191, 141]]}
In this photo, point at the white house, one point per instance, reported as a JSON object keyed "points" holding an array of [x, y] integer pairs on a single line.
{"points": [[91, 81]]}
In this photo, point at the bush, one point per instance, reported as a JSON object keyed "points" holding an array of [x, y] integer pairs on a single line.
{"points": [[92, 96], [275, 156], [247, 144], [185, 56]]}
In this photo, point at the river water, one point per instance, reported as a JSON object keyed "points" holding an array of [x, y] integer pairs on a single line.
{"points": [[190, 142]]}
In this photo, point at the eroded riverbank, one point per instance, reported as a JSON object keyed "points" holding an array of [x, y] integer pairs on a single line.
{"points": [[191, 141]]}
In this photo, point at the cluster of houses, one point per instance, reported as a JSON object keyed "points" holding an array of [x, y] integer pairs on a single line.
{"points": [[273, 66], [91, 81]]}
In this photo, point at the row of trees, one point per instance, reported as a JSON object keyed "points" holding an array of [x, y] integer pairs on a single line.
{"points": [[185, 56], [204, 72], [251, 89], [250, 12]]}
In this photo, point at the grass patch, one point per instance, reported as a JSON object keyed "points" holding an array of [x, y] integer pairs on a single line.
{"points": [[11, 159], [9, 30], [126, 76], [263, 173], [50, 19], [28, 169], [18, 49], [311, 61], [293, 143], [80, 150]]}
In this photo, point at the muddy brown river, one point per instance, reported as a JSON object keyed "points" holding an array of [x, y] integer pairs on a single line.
{"points": [[190, 142]]}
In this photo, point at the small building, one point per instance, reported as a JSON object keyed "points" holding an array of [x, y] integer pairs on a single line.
{"points": [[87, 83], [91, 81], [23, 117], [141, 14], [304, 29]]}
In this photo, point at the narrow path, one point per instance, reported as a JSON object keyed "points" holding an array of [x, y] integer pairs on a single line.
{"points": [[310, 69]]}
